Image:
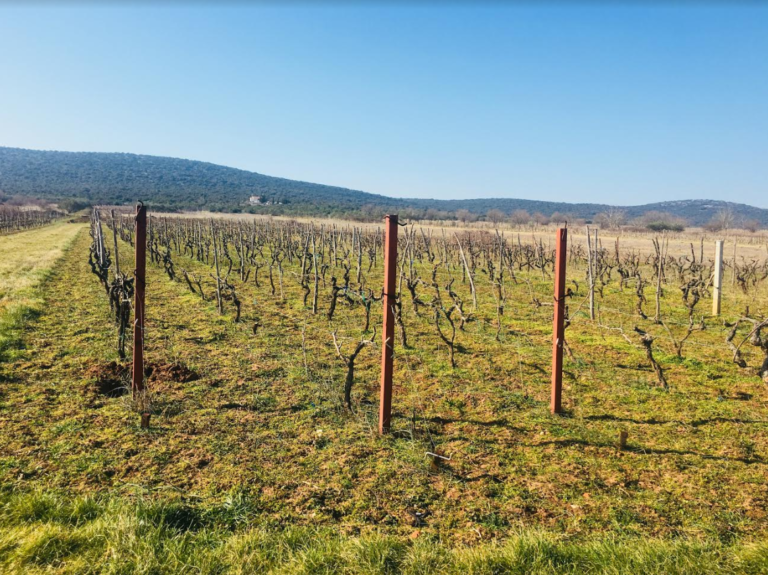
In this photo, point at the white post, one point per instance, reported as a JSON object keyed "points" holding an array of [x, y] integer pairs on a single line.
{"points": [[718, 277]]}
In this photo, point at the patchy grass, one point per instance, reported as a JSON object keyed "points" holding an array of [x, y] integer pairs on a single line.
{"points": [[45, 532], [254, 465], [26, 259]]}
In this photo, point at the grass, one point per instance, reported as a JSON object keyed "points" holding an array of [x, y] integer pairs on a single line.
{"points": [[255, 466], [26, 259], [44, 532]]}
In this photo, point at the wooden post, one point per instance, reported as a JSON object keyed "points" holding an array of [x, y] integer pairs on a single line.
{"points": [[388, 332], [99, 238], [591, 274], [137, 383], [558, 331], [623, 436], [218, 273], [114, 239], [718, 277]]}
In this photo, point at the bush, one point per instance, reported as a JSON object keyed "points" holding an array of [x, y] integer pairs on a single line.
{"points": [[71, 205], [665, 226], [661, 222], [751, 225]]}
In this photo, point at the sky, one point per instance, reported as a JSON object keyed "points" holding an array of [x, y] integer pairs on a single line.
{"points": [[581, 102]]}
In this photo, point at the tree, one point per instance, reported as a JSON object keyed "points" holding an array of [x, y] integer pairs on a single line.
{"points": [[465, 216], [371, 212], [540, 219], [520, 217], [495, 216], [74, 205], [611, 219], [561, 218], [751, 225], [722, 220], [432, 214]]}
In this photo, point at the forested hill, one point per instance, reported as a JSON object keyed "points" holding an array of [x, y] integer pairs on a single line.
{"points": [[170, 182], [176, 184]]}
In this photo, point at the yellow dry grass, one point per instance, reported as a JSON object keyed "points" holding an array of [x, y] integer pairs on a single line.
{"points": [[748, 245], [27, 256], [25, 260]]}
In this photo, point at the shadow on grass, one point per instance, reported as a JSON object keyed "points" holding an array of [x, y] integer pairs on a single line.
{"points": [[646, 451], [492, 423], [258, 409], [537, 368], [654, 421]]}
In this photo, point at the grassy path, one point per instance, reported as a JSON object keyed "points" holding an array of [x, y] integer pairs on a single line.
{"points": [[26, 259]]}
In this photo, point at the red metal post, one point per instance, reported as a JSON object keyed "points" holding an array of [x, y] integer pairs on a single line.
{"points": [[558, 332], [137, 384], [388, 333]]}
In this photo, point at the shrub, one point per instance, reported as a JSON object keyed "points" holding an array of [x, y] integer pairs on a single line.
{"points": [[665, 226]]}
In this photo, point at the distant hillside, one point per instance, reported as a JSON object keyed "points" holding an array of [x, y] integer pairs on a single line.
{"points": [[175, 184]]}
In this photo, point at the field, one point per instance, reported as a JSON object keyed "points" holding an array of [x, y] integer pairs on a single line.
{"points": [[26, 259], [254, 462], [750, 245]]}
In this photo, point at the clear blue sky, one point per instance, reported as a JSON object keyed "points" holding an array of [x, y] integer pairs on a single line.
{"points": [[570, 102]]}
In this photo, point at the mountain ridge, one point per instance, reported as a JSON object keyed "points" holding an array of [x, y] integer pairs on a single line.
{"points": [[175, 184]]}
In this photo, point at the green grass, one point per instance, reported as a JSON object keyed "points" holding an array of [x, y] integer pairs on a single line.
{"points": [[44, 532], [256, 466], [12, 322]]}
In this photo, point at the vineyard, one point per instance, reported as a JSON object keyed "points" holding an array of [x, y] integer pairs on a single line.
{"points": [[459, 286], [16, 219], [260, 390]]}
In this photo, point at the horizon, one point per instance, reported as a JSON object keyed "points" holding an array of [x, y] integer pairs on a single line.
{"points": [[577, 103], [614, 205]]}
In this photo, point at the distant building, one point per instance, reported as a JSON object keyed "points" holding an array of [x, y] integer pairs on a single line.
{"points": [[260, 201]]}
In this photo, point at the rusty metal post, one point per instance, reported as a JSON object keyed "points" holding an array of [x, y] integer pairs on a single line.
{"points": [[558, 331], [388, 332], [137, 383]]}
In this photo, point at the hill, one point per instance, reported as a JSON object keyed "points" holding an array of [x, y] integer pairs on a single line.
{"points": [[176, 184]]}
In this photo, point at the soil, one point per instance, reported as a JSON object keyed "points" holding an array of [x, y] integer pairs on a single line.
{"points": [[113, 379]]}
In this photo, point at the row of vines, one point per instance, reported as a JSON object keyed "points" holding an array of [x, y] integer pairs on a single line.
{"points": [[13, 219], [463, 296]]}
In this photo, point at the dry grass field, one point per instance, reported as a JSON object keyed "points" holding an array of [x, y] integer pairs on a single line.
{"points": [[749, 245]]}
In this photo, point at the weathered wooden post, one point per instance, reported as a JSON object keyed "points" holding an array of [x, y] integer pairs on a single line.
{"points": [[718, 277], [623, 436], [114, 240], [591, 273], [99, 238], [388, 332], [558, 331], [218, 273], [137, 383]]}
